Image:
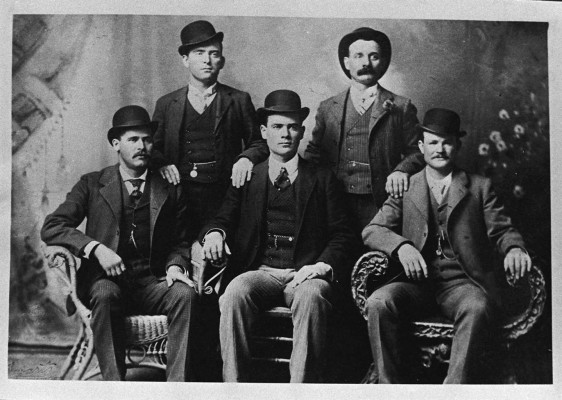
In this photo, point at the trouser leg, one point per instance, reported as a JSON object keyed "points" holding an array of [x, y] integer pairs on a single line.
{"points": [[473, 313], [108, 327], [179, 303], [311, 305], [242, 300], [387, 308]]}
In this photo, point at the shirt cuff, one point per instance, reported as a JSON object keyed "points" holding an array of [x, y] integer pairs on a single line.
{"points": [[87, 250]]}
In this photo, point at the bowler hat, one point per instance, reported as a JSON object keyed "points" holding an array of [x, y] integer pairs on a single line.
{"points": [[196, 33], [364, 34], [442, 122], [282, 102], [130, 117]]}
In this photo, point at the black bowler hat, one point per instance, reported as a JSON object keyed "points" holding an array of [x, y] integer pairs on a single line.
{"points": [[196, 33], [282, 102], [364, 34], [442, 122], [130, 117]]}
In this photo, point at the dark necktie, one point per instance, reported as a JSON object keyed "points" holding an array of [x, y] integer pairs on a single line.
{"points": [[282, 181], [136, 194]]}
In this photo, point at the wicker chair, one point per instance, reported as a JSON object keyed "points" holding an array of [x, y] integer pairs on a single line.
{"points": [[433, 336], [147, 335]]}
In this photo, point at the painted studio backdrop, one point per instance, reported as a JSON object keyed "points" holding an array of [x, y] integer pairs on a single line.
{"points": [[71, 73]]}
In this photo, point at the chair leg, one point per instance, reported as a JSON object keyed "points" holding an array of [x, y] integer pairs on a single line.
{"points": [[86, 354], [371, 376], [73, 355]]}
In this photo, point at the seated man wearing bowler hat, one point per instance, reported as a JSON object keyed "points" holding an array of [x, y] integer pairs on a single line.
{"points": [[208, 137], [134, 252], [290, 239], [443, 232]]}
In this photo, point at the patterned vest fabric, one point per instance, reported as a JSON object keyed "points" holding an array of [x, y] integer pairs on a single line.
{"points": [[440, 267], [281, 225], [197, 144], [354, 169], [135, 218]]}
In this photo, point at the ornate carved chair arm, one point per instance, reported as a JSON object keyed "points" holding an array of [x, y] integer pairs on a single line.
{"points": [[369, 272], [65, 263], [523, 322]]}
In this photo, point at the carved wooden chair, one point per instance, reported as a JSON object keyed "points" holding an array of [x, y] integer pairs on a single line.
{"points": [[433, 336], [147, 335]]}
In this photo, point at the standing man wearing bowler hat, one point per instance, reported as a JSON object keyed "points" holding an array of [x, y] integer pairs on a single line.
{"points": [[290, 240], [444, 232], [208, 137], [135, 250], [366, 134]]}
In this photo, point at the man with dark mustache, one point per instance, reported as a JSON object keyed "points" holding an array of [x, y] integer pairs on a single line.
{"points": [[135, 249], [443, 232], [366, 134]]}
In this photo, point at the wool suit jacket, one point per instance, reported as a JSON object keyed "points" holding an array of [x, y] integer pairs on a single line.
{"points": [[476, 225], [236, 129], [392, 137], [322, 232], [97, 197]]}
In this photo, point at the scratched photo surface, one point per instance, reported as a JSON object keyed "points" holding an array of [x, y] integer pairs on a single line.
{"points": [[70, 73]]}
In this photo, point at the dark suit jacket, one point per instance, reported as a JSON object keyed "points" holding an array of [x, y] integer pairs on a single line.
{"points": [[322, 231], [236, 129], [476, 224], [392, 138], [97, 197]]}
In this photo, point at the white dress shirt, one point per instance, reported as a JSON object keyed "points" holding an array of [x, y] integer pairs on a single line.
{"points": [[363, 99], [439, 187], [200, 100], [292, 167]]}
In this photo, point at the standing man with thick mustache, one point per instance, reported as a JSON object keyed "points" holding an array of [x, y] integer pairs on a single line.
{"points": [[207, 138], [366, 134]]}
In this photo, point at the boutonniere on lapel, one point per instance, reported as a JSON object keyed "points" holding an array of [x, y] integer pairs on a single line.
{"points": [[388, 105]]}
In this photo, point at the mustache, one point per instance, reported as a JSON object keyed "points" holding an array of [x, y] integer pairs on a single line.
{"points": [[141, 153], [366, 70]]}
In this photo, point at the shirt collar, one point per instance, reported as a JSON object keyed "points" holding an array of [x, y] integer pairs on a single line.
{"points": [[211, 90], [126, 177], [446, 181], [275, 166], [369, 92]]}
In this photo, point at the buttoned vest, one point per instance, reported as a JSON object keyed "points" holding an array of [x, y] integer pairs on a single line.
{"points": [[445, 266], [354, 170], [135, 218], [281, 225], [197, 142]]}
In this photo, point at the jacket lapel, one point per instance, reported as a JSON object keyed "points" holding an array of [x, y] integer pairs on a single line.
{"points": [[224, 100], [303, 189], [175, 115], [337, 110], [378, 110], [158, 195], [419, 194], [111, 190], [257, 191], [457, 191]]}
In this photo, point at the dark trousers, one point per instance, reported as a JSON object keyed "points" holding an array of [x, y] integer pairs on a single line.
{"points": [[111, 299], [460, 300], [253, 291], [204, 200], [361, 210]]}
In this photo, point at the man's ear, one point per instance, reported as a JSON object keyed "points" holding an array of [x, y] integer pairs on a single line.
{"points": [[346, 62], [115, 143], [263, 130], [221, 62], [185, 60], [420, 145]]}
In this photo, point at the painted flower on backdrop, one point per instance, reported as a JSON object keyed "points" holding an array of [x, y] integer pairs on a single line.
{"points": [[495, 136], [484, 149], [504, 114], [388, 105], [501, 146], [518, 130], [518, 191]]}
